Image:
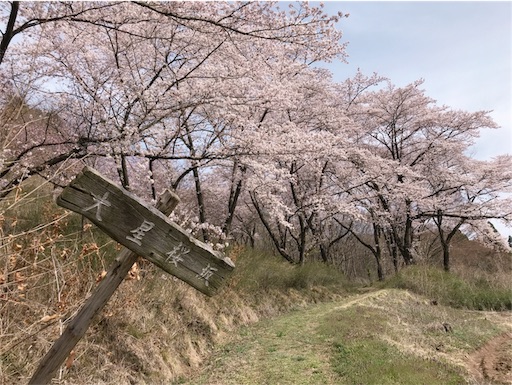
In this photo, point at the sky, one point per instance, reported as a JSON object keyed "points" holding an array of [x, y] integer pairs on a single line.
{"points": [[462, 50]]}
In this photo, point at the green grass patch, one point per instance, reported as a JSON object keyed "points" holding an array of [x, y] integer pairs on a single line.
{"points": [[370, 361], [377, 338], [477, 293], [360, 356], [259, 271]]}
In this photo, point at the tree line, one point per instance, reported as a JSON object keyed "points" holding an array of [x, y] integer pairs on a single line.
{"points": [[224, 102]]}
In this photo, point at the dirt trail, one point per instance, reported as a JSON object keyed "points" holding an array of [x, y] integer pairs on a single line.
{"points": [[491, 364], [358, 299], [493, 361], [290, 349]]}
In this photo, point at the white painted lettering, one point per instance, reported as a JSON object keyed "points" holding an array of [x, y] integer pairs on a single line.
{"points": [[174, 256], [140, 231], [99, 202], [207, 273]]}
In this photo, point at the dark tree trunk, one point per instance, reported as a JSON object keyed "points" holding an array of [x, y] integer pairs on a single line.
{"points": [[279, 245], [153, 188], [393, 251], [234, 194], [9, 30], [375, 250], [378, 252], [324, 253], [200, 202], [446, 241], [122, 171]]}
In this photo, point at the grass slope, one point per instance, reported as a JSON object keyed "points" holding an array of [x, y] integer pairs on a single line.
{"points": [[383, 337]]}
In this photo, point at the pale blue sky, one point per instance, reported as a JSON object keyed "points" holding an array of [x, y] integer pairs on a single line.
{"points": [[463, 50]]}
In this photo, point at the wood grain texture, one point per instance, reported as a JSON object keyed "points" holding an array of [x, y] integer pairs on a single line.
{"points": [[146, 231]]}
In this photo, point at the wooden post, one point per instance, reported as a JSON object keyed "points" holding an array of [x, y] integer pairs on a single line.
{"points": [[101, 202]]}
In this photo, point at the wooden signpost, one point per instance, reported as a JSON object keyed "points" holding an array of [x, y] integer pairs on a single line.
{"points": [[144, 231]]}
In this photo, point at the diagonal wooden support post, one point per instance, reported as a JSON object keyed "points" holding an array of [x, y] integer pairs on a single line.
{"points": [[143, 231], [80, 323]]}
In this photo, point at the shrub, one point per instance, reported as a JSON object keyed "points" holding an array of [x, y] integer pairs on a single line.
{"points": [[479, 291], [256, 270]]}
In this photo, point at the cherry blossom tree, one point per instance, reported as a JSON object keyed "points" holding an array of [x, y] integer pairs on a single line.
{"points": [[410, 133], [222, 101], [33, 141], [35, 14], [167, 82], [290, 191], [465, 195]]}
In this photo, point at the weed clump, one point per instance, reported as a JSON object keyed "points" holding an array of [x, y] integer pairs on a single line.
{"points": [[262, 272], [475, 292]]}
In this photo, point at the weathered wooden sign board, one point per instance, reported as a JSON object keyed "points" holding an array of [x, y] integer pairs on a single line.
{"points": [[145, 231]]}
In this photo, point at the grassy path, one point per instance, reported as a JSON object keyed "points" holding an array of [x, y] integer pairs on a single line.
{"points": [[381, 337]]}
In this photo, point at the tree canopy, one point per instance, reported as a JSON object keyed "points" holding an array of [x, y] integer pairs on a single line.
{"points": [[223, 102]]}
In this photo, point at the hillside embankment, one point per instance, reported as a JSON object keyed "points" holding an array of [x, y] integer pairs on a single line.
{"points": [[158, 330], [155, 329]]}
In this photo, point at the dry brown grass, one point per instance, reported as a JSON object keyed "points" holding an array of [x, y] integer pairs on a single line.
{"points": [[48, 266], [155, 329]]}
